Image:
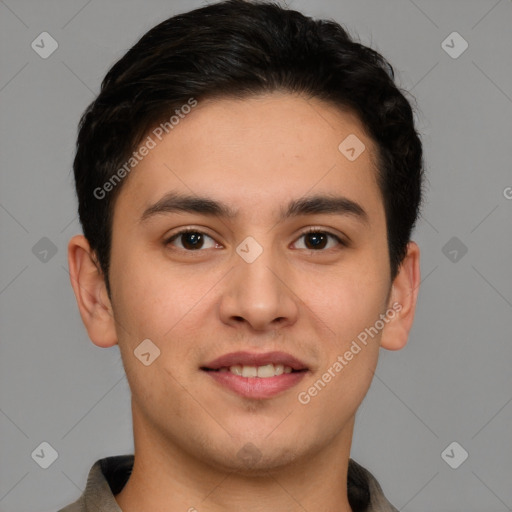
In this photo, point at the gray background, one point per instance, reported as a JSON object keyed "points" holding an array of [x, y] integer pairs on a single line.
{"points": [[452, 382]]}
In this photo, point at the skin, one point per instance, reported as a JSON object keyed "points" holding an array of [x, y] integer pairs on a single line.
{"points": [[254, 155]]}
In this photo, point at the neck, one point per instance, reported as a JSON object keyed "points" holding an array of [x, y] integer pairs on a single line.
{"points": [[167, 478]]}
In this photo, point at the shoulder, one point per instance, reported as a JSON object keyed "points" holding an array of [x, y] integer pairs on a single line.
{"points": [[76, 506], [365, 492], [106, 478]]}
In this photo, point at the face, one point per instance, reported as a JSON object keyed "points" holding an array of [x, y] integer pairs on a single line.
{"points": [[285, 264]]}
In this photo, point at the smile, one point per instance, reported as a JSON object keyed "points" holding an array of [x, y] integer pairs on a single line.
{"points": [[256, 376], [262, 372]]}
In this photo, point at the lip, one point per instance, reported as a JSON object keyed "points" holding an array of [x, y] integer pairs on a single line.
{"points": [[255, 359], [256, 387]]}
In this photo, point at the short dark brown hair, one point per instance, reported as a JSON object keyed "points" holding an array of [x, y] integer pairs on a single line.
{"points": [[239, 48]]}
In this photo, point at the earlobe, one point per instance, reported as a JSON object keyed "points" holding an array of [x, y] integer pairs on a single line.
{"points": [[402, 301], [90, 291]]}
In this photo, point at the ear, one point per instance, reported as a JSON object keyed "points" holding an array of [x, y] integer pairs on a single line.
{"points": [[402, 300], [91, 293]]}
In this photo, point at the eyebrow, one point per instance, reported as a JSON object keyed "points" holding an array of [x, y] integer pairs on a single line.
{"points": [[310, 205]]}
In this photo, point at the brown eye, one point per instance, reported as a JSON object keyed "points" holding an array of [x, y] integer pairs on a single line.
{"points": [[191, 240], [316, 240]]}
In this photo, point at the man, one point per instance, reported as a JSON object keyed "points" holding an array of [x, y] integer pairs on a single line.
{"points": [[248, 179]]}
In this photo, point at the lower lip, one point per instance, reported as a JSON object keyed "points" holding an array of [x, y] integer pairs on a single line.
{"points": [[256, 387]]}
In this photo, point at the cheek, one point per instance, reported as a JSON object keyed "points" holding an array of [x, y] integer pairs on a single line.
{"points": [[348, 300], [349, 306], [156, 304], [158, 299]]}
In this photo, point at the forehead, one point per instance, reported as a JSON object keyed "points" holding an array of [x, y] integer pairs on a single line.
{"points": [[257, 154]]}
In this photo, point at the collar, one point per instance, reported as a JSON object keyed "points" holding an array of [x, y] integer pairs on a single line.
{"points": [[108, 476]]}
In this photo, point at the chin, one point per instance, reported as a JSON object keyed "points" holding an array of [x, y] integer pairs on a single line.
{"points": [[255, 455], [251, 461]]}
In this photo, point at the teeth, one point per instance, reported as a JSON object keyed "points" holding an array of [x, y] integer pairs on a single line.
{"points": [[237, 370], [249, 371], [268, 370]]}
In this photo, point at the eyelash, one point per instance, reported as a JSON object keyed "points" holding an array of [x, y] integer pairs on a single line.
{"points": [[175, 236]]}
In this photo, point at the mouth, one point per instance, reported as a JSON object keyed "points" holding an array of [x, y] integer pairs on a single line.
{"points": [[257, 376], [262, 372]]}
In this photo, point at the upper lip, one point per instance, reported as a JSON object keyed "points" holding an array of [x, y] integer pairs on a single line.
{"points": [[255, 359]]}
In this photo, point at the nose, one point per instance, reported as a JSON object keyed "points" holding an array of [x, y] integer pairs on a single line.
{"points": [[260, 295]]}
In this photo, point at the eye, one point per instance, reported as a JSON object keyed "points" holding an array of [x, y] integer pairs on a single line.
{"points": [[315, 239], [192, 240]]}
